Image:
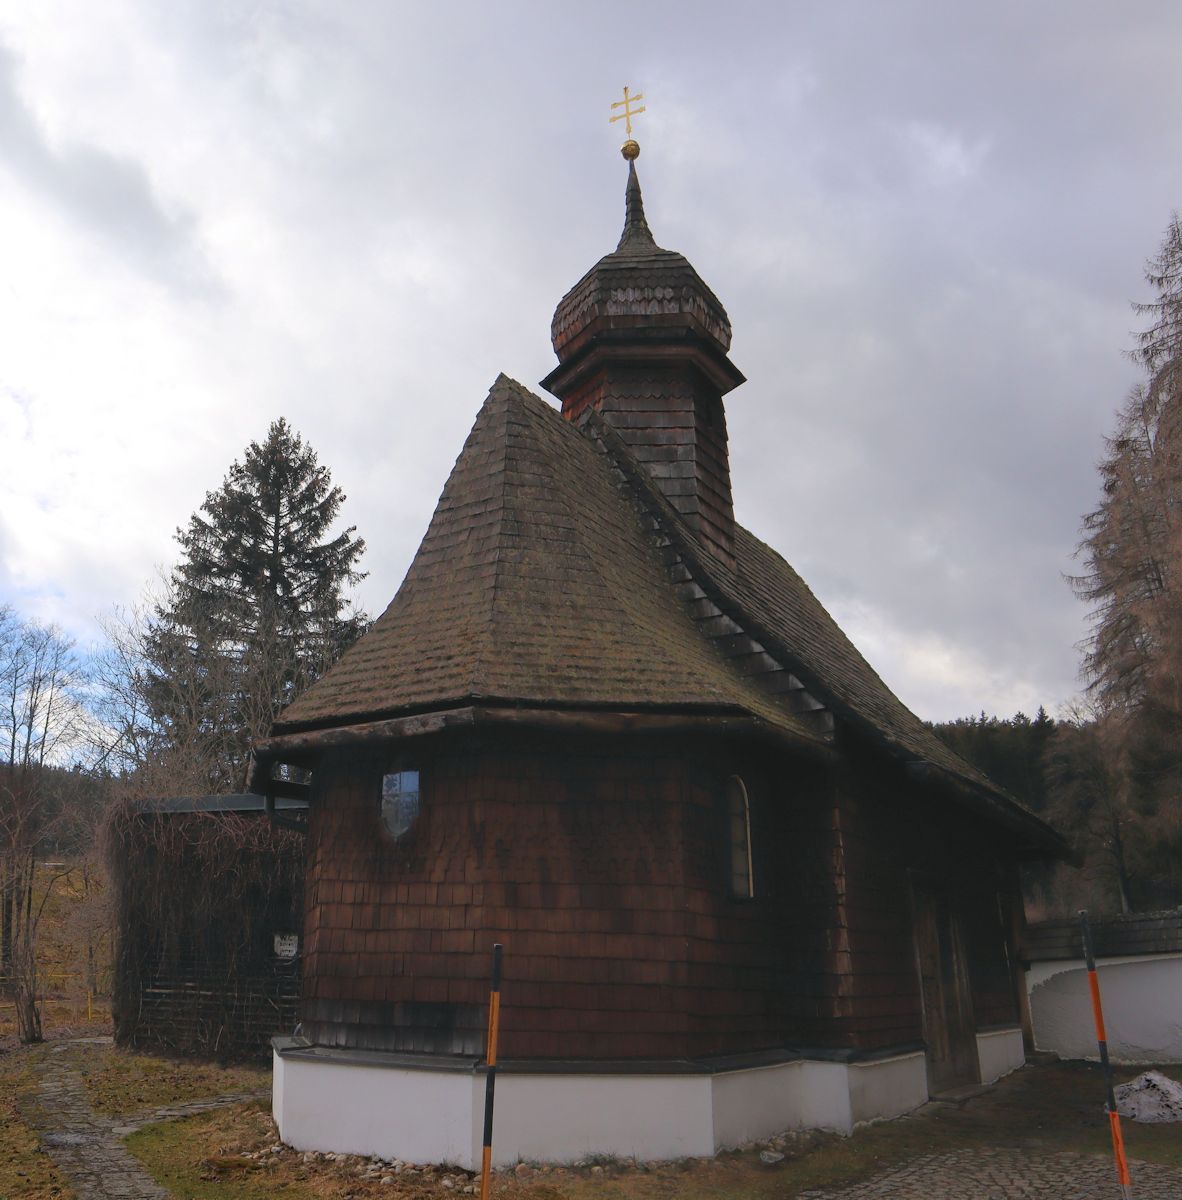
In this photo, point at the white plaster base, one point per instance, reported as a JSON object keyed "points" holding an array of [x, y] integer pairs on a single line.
{"points": [[1000, 1051], [426, 1116], [437, 1116], [888, 1088], [1142, 999]]}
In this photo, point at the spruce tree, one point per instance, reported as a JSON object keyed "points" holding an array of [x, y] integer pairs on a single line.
{"points": [[255, 610]]}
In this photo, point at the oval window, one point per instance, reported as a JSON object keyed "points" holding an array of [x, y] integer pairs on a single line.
{"points": [[400, 801]]}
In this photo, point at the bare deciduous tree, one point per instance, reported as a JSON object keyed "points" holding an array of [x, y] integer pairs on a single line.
{"points": [[40, 719]]}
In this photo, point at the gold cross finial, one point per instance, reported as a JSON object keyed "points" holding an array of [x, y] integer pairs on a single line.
{"points": [[629, 149]]}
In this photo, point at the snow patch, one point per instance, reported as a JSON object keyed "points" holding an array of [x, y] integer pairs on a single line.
{"points": [[1150, 1097]]}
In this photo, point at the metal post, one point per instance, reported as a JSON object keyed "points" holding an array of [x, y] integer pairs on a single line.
{"points": [[490, 1078], [1118, 1142]]}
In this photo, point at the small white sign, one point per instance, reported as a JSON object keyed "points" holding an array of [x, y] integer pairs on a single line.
{"points": [[287, 945]]}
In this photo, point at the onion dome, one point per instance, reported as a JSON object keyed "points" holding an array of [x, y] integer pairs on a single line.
{"points": [[639, 286]]}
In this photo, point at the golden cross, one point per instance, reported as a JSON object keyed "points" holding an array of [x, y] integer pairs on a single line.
{"points": [[629, 112]]}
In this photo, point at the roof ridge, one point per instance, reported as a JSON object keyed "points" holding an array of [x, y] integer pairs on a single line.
{"points": [[507, 389], [543, 427], [513, 392]]}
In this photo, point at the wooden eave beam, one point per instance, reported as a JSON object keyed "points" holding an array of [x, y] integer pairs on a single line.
{"points": [[673, 345]]}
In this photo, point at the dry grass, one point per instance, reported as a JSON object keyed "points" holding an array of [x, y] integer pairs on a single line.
{"points": [[117, 1083], [1048, 1107], [26, 1171], [123, 1083]]}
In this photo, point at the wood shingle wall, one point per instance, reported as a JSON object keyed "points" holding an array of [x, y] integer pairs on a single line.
{"points": [[603, 874], [602, 868], [889, 838]]}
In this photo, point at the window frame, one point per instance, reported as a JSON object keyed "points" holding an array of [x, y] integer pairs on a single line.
{"points": [[735, 789], [400, 768]]}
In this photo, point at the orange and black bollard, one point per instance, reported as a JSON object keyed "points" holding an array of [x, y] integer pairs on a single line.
{"points": [[490, 1078], [1118, 1141]]}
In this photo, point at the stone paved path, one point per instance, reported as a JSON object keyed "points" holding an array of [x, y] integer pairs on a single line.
{"points": [[88, 1147], [1007, 1175]]}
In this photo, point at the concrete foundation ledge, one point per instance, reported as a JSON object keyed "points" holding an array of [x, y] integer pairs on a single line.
{"points": [[356, 1102]]}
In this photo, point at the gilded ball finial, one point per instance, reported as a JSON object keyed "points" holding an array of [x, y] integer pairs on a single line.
{"points": [[630, 149]]}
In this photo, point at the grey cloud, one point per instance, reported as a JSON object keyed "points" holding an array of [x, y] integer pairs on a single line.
{"points": [[109, 197], [933, 354]]}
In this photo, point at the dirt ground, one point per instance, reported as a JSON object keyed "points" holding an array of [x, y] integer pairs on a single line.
{"points": [[1047, 1109]]}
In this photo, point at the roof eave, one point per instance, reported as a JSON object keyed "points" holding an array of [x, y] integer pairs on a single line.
{"points": [[303, 745], [992, 802], [1045, 841]]}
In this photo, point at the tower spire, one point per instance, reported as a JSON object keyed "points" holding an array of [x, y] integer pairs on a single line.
{"points": [[643, 342], [636, 235]]}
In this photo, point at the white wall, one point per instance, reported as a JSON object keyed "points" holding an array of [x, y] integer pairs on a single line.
{"points": [[437, 1116], [1142, 1000], [561, 1118], [420, 1116], [1000, 1051], [748, 1105], [888, 1088]]}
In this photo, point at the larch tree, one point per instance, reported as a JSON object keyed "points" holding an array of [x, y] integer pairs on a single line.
{"points": [[256, 609], [1132, 550], [1132, 543]]}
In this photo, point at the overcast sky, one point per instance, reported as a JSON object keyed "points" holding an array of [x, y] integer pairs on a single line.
{"points": [[926, 220]]}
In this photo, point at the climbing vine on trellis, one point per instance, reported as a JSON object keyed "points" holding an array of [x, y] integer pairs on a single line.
{"points": [[198, 898]]}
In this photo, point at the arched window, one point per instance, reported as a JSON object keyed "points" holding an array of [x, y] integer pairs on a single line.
{"points": [[739, 817], [400, 800]]}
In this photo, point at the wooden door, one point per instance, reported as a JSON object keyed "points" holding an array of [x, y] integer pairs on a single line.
{"points": [[948, 1025]]}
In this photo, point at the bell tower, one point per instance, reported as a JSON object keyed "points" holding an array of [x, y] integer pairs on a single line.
{"points": [[643, 341]]}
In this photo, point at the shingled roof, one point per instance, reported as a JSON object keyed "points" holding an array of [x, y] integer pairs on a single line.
{"points": [[768, 599], [536, 583], [780, 617], [545, 580]]}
